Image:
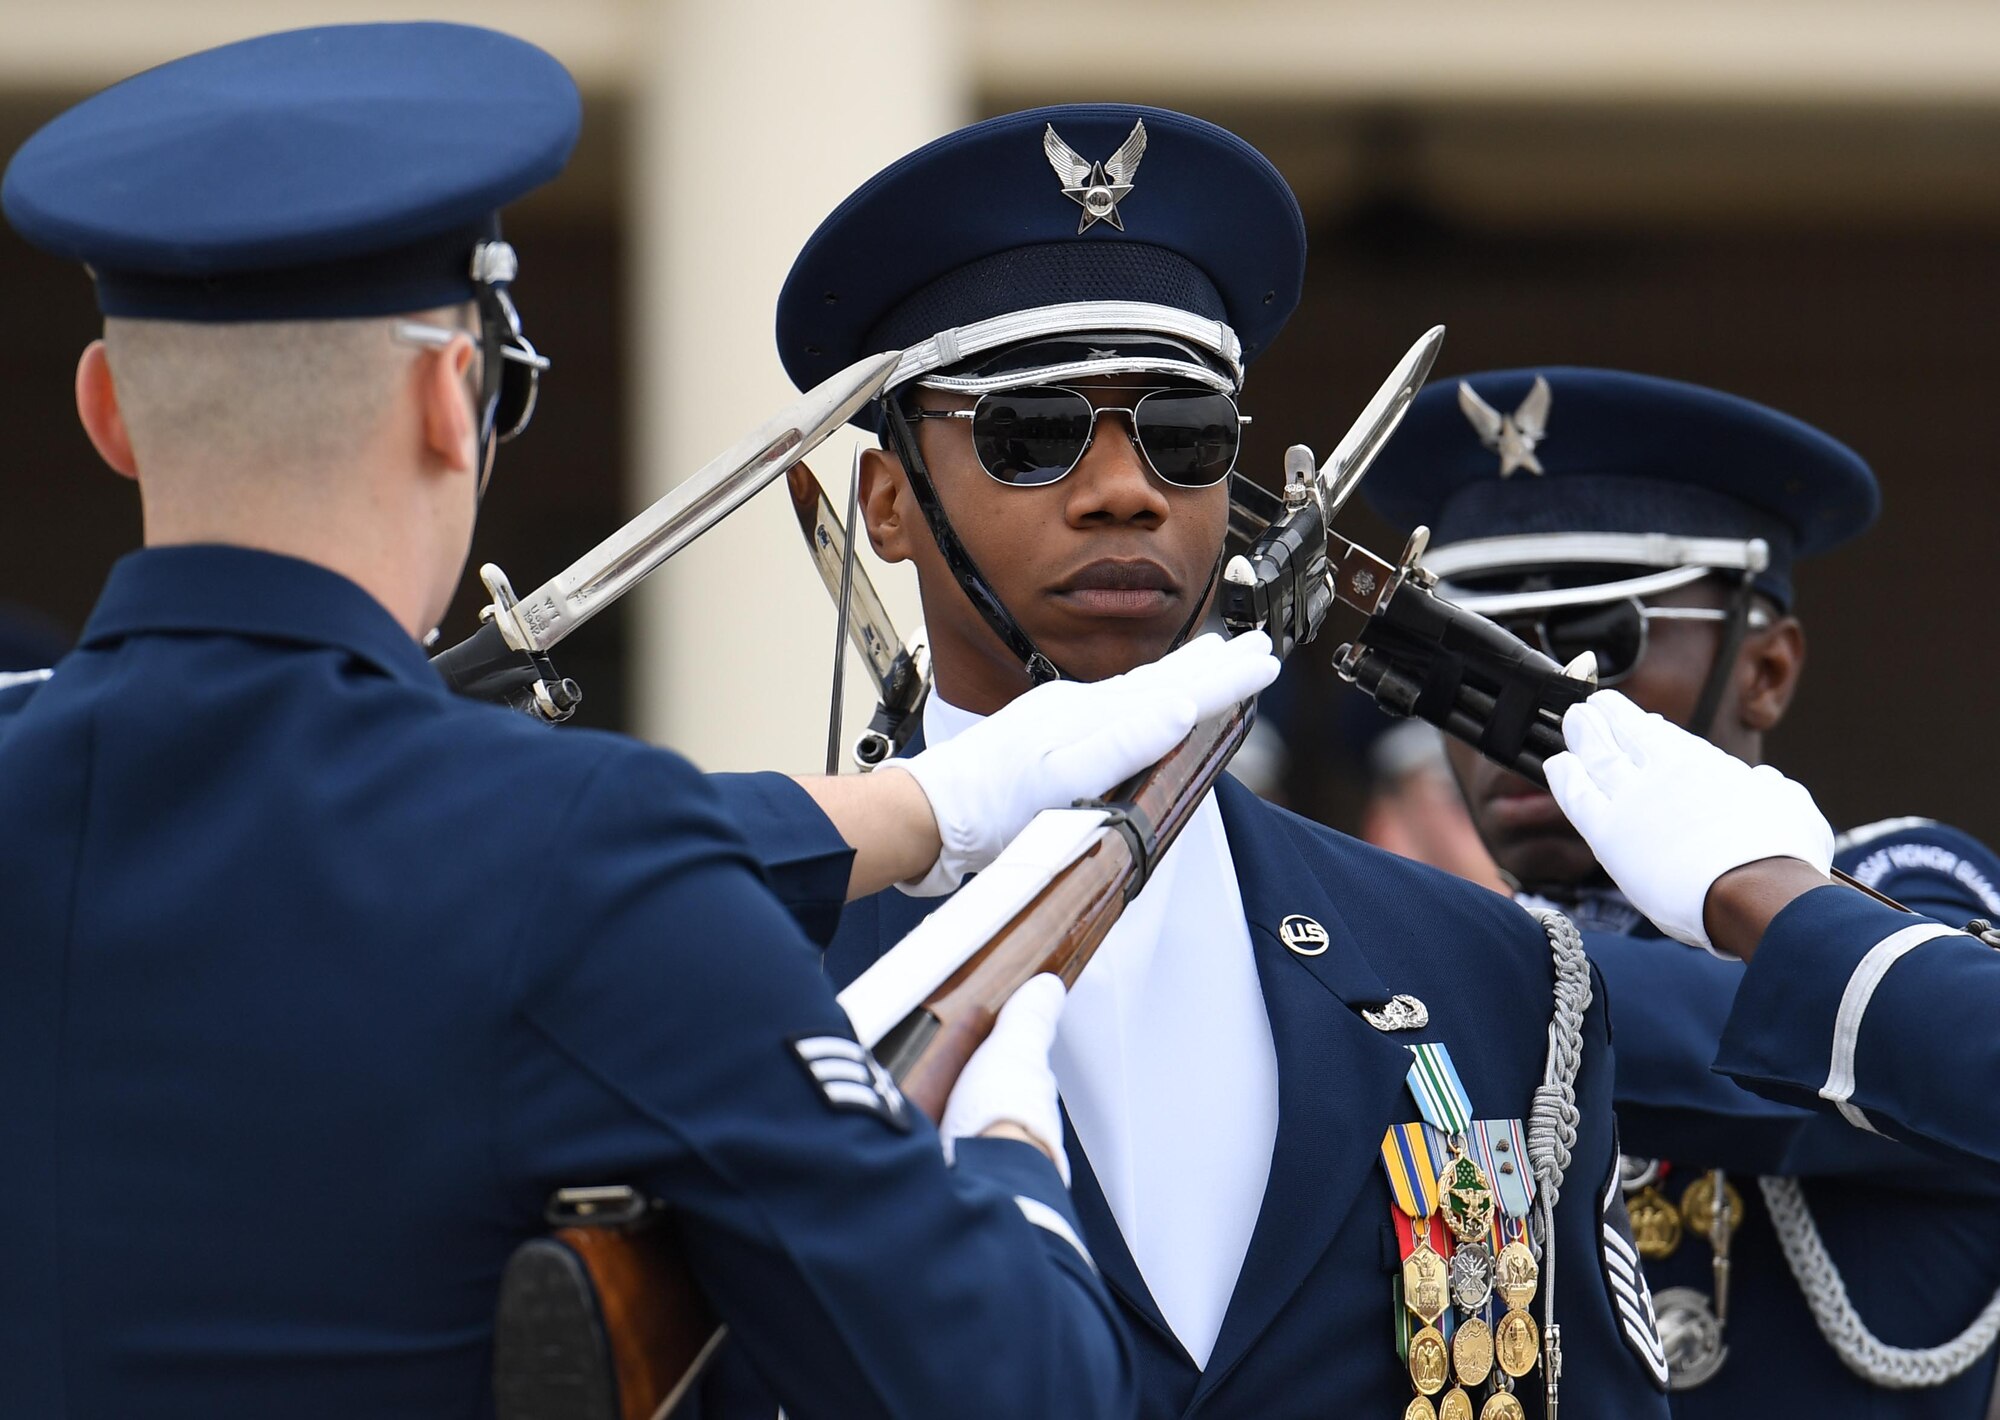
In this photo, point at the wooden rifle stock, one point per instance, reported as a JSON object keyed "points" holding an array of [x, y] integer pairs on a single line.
{"points": [[601, 1320], [1062, 927]]}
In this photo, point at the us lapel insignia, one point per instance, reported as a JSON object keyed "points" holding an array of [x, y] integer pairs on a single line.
{"points": [[1097, 188], [1302, 935], [1400, 1013], [1512, 436]]}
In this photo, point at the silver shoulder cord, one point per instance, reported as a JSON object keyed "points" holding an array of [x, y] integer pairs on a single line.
{"points": [[1552, 1119], [1860, 1350]]}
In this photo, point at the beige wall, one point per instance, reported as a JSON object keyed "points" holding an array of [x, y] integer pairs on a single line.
{"points": [[1193, 50]]}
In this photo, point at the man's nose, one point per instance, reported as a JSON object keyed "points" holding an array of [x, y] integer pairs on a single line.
{"points": [[1112, 483]]}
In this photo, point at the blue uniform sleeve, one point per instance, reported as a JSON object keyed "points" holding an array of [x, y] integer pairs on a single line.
{"points": [[676, 1032], [1671, 1003], [805, 860], [1882, 1020]]}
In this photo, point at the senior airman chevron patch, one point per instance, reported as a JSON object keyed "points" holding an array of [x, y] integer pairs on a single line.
{"points": [[849, 1077], [1631, 1298]]}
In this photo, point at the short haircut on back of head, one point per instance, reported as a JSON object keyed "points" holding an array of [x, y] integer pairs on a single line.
{"points": [[262, 397]]}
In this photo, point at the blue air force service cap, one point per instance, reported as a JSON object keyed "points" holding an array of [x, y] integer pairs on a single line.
{"points": [[349, 170], [1059, 243], [1556, 486]]}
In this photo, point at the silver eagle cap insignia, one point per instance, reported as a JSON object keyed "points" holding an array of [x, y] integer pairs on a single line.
{"points": [[1512, 436], [1097, 188], [1400, 1013]]}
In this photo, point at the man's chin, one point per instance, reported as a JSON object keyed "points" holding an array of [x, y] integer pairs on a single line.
{"points": [[1547, 861], [1107, 650]]}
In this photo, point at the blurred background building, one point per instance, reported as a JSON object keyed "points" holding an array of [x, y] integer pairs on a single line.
{"points": [[1796, 201]]}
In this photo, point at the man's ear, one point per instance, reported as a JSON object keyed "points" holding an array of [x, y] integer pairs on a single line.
{"points": [[1770, 665], [450, 431], [97, 407], [887, 506]]}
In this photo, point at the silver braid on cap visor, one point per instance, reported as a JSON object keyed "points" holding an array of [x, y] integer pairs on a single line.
{"points": [[951, 347]]}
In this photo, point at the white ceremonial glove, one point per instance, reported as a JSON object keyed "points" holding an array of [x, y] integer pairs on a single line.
{"points": [[1008, 1079], [1070, 740], [1667, 813]]}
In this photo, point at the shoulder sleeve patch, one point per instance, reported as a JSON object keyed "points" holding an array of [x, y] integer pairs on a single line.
{"points": [[1922, 848], [850, 1078], [1625, 1281]]}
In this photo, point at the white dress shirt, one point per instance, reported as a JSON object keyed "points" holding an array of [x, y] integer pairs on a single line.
{"points": [[1168, 1072]]}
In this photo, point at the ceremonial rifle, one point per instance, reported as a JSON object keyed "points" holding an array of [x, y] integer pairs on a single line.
{"points": [[507, 659]]}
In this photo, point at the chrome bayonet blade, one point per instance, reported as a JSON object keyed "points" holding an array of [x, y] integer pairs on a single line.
{"points": [[612, 568], [1342, 471], [869, 629]]}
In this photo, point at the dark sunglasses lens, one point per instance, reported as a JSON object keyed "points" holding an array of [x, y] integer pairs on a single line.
{"points": [[1614, 632], [519, 385], [1190, 436], [1029, 437]]}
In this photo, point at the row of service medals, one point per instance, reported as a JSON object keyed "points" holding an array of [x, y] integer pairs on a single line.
{"points": [[1462, 1192], [1691, 1329]]}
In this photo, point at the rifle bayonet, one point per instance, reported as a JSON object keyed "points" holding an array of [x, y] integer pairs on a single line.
{"points": [[901, 669], [507, 658]]}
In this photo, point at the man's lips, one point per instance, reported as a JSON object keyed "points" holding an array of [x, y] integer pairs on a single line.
{"points": [[1116, 587]]}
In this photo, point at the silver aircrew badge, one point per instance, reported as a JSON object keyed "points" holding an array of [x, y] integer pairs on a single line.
{"points": [[1512, 436], [1302, 935], [1097, 188], [1400, 1013]]}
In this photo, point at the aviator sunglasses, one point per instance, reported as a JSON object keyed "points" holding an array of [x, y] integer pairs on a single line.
{"points": [[1028, 438], [1614, 632]]}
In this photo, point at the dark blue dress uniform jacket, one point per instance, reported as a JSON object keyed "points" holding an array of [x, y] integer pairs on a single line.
{"points": [[1916, 1238], [1925, 1052], [315, 981], [1308, 1332]]}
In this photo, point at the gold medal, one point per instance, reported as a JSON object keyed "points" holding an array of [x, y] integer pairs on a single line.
{"points": [[1698, 1205], [1656, 1223], [1516, 1343], [1500, 1406], [1419, 1408], [1515, 1275], [1465, 1197], [1425, 1276], [1429, 1363], [1455, 1404], [1472, 1352]]}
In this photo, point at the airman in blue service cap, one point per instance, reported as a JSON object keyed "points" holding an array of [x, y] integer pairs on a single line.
{"points": [[1077, 292], [1035, 250], [345, 171], [1656, 526], [317, 979]]}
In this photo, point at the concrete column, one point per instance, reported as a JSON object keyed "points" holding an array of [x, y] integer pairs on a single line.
{"points": [[753, 120]]}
